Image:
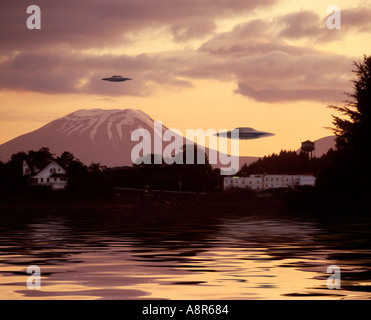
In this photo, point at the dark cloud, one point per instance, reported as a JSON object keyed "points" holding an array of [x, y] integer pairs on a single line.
{"points": [[284, 95], [193, 29], [312, 27], [253, 37], [305, 24], [268, 68], [278, 76], [269, 74], [63, 72], [100, 23], [256, 55], [356, 19]]}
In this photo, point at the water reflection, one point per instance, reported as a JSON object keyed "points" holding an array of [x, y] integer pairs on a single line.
{"points": [[120, 253]]}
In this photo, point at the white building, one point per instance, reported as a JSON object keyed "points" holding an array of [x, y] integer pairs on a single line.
{"points": [[268, 181], [53, 176]]}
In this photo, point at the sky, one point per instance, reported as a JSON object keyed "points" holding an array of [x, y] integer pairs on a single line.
{"points": [[268, 64]]}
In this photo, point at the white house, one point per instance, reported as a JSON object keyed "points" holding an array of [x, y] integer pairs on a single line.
{"points": [[268, 181], [53, 176]]}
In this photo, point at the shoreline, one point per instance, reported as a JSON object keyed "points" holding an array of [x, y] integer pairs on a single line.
{"points": [[237, 202]]}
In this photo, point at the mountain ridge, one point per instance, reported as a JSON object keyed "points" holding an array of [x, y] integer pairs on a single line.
{"points": [[93, 135], [103, 136]]}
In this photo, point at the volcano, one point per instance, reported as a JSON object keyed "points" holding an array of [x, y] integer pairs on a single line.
{"points": [[92, 135]]}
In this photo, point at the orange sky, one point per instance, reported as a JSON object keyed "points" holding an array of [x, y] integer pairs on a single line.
{"points": [[271, 65]]}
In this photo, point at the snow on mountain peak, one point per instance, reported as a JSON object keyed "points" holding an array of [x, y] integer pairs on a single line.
{"points": [[88, 113], [131, 113], [92, 120]]}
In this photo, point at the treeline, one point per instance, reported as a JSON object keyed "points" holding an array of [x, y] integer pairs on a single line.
{"points": [[175, 177], [96, 180], [288, 162]]}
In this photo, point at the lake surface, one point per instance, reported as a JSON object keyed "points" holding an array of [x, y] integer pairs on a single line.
{"points": [[126, 253]]}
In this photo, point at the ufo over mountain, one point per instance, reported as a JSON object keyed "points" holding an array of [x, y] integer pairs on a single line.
{"points": [[116, 79], [97, 135], [244, 134]]}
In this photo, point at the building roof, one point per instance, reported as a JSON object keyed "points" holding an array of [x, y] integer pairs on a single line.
{"points": [[46, 167], [308, 142]]}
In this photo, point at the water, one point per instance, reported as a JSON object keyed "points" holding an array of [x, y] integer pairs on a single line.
{"points": [[129, 253]]}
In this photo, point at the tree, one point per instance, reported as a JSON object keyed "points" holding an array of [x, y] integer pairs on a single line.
{"points": [[194, 176], [286, 162], [244, 171], [41, 158], [353, 132], [349, 173], [66, 159]]}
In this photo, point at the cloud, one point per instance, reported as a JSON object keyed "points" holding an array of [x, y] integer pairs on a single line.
{"points": [[269, 68], [283, 95], [107, 100], [278, 77], [311, 26], [192, 29], [254, 37], [305, 24], [105, 23], [260, 56], [63, 72], [269, 73], [356, 19]]}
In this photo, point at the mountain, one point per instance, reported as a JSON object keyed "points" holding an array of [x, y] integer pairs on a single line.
{"points": [[91, 135], [94, 135], [323, 145]]}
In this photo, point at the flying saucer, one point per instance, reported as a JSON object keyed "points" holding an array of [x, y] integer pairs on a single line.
{"points": [[116, 79], [244, 134]]}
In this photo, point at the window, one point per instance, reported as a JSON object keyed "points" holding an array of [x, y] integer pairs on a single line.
{"points": [[47, 180], [41, 179], [53, 170], [55, 179]]}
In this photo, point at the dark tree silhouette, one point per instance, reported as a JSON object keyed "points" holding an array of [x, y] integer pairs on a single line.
{"points": [[66, 159], [12, 179], [353, 132], [40, 159], [286, 162], [199, 177], [348, 176]]}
